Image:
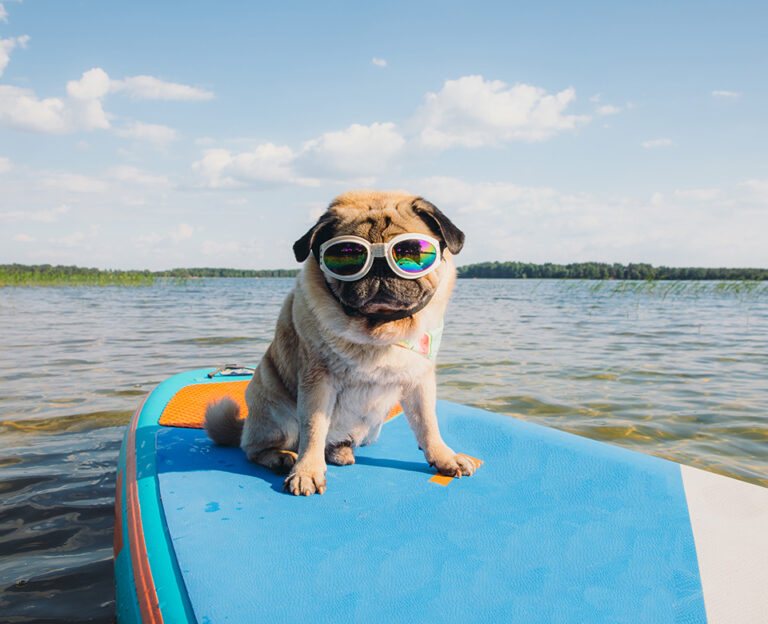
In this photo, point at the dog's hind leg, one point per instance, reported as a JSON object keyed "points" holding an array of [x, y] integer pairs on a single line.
{"points": [[279, 461], [268, 444], [340, 454]]}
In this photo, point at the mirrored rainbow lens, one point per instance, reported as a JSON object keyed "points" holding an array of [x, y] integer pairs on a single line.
{"points": [[414, 254], [345, 257]]}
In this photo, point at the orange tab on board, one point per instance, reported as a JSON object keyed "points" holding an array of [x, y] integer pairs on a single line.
{"points": [[442, 479]]}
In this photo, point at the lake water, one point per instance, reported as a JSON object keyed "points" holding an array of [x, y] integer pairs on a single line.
{"points": [[683, 377]]}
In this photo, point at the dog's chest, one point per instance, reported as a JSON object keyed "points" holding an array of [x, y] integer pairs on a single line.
{"points": [[359, 413], [366, 393], [390, 366]]}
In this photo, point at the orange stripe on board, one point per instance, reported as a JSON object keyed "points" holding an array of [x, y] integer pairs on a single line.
{"points": [[118, 544], [145, 587], [442, 479]]}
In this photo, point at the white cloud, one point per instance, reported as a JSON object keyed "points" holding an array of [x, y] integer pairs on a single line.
{"points": [[685, 227], [75, 183], [486, 197], [316, 210], [350, 154], [76, 238], [596, 97], [757, 189], [82, 110], [473, 112], [468, 112], [153, 238], [24, 238], [72, 240], [685, 195], [3, 14], [697, 194], [84, 104], [138, 177], [93, 85], [5, 165], [379, 62], [151, 133], [663, 142], [726, 94], [224, 249], [608, 109], [39, 216], [7, 45], [182, 232], [151, 88], [220, 168], [358, 150], [20, 108]]}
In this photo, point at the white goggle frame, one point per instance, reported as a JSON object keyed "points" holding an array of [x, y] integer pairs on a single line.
{"points": [[379, 250]]}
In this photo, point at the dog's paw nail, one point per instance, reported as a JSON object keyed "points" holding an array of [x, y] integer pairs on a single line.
{"points": [[304, 483], [457, 466]]}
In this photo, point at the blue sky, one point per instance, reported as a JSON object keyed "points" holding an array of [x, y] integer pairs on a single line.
{"points": [[156, 135]]}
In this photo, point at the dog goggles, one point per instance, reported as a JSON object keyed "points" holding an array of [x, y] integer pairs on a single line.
{"points": [[348, 258]]}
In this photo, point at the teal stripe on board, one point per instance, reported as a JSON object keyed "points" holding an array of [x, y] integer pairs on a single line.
{"points": [[168, 581]]}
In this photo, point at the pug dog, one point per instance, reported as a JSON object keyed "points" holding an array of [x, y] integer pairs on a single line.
{"points": [[378, 272]]}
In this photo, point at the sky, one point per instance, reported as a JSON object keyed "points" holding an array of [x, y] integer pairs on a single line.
{"points": [[149, 135]]}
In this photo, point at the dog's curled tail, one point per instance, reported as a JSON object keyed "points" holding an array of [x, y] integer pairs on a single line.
{"points": [[222, 422]]}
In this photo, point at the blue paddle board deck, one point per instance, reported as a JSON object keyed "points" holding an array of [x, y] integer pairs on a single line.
{"points": [[552, 527]]}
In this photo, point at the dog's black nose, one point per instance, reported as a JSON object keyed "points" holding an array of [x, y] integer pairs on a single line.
{"points": [[380, 268]]}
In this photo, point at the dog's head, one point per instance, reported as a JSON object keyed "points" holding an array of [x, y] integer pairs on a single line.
{"points": [[377, 217]]}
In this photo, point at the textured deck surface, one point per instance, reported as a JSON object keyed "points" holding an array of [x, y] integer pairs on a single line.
{"points": [[551, 528]]}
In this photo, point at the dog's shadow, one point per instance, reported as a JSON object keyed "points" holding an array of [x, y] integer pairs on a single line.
{"points": [[395, 464], [189, 450]]}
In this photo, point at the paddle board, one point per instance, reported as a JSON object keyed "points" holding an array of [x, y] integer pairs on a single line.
{"points": [[552, 527]]}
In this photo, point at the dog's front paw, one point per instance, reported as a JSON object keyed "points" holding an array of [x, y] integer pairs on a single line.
{"points": [[305, 482], [452, 464]]}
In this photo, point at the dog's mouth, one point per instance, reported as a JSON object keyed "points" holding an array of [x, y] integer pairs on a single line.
{"points": [[388, 310], [383, 306], [381, 300]]}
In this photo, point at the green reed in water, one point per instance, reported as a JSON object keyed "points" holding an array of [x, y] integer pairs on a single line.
{"points": [[47, 275], [663, 289]]}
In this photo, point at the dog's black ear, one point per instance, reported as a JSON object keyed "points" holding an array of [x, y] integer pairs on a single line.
{"points": [[316, 236], [452, 236]]}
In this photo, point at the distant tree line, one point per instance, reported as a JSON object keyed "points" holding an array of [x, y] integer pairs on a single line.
{"points": [[18, 274], [47, 274], [60, 269], [50, 275], [599, 270], [209, 272]]}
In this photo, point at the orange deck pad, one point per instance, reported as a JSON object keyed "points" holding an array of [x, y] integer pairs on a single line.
{"points": [[187, 407], [396, 409]]}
